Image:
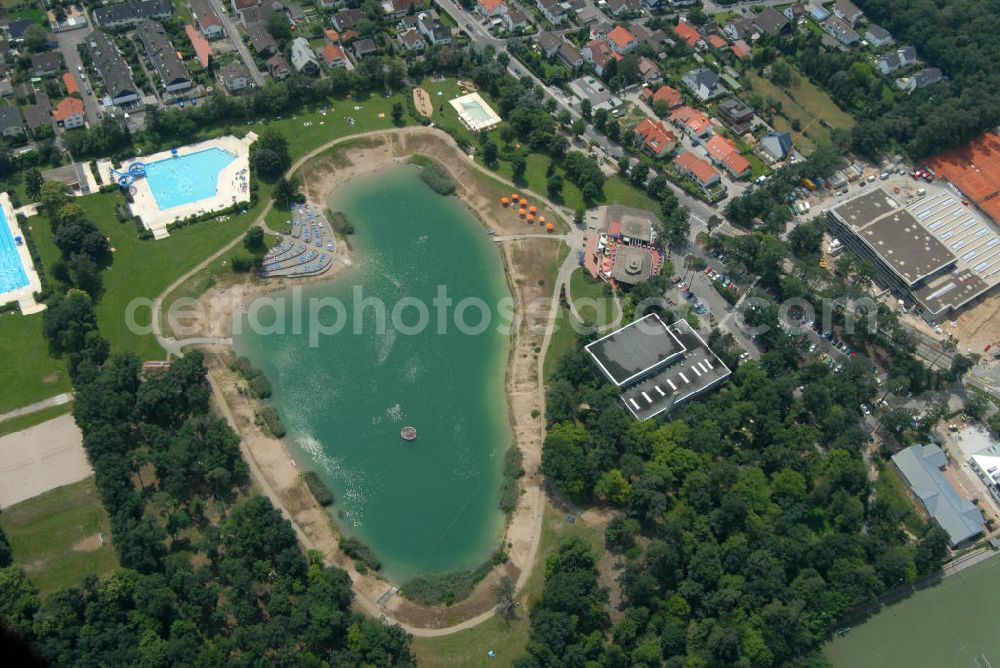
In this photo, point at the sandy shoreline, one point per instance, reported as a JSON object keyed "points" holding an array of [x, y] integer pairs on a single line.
{"points": [[272, 465]]}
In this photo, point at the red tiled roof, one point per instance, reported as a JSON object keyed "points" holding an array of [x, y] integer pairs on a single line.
{"points": [[332, 35], [71, 85], [741, 49], [671, 96], [490, 5], [724, 151], [200, 44], [690, 117], [716, 42], [348, 35], [700, 169], [621, 37], [655, 135], [687, 32], [68, 106], [615, 228], [332, 53]]}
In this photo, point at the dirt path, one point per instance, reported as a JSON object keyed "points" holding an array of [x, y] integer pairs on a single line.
{"points": [[272, 467]]}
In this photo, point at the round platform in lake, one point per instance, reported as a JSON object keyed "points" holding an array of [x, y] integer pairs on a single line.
{"points": [[408, 433]]}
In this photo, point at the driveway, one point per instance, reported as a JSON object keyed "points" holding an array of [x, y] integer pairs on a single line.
{"points": [[68, 42]]}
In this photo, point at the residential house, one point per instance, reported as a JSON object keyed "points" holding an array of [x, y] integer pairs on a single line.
{"points": [[553, 12], [771, 22], [716, 42], [163, 56], [649, 71], [47, 62], [17, 29], [907, 56], [669, 96], [278, 67], [622, 41], [335, 57], [586, 16], [11, 125], [776, 145], [303, 57], [363, 48], [436, 32], [655, 138], [491, 8], [235, 76], [202, 49], [688, 164], [38, 114], [624, 7], [741, 28], [112, 68], [69, 82], [688, 33], [925, 77], [599, 53], [570, 56], [332, 36], [840, 30], [515, 20], [346, 19], [132, 13], [878, 36], [704, 83], [795, 12], [655, 39], [69, 113], [888, 63], [397, 9], [410, 39], [349, 36], [741, 49], [818, 12], [548, 43], [848, 11], [208, 21], [723, 152], [694, 123], [261, 40], [736, 115], [295, 12]]}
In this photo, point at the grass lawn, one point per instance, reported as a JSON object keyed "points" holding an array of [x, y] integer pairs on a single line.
{"points": [[535, 178], [563, 340], [507, 639], [47, 534], [584, 287], [38, 417], [805, 103], [27, 374], [619, 191]]}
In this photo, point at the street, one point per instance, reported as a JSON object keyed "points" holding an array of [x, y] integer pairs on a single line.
{"points": [[68, 41], [234, 36]]}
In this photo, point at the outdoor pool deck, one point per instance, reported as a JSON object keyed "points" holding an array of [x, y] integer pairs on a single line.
{"points": [[232, 184], [475, 113], [20, 287]]}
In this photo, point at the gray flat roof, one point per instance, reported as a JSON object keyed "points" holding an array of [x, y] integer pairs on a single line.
{"points": [[920, 466], [635, 350], [698, 369], [633, 264]]}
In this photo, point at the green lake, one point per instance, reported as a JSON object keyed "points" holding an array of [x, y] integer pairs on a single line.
{"points": [[429, 505]]}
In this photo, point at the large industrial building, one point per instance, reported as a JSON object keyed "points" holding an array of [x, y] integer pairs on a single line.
{"points": [[657, 367], [936, 251]]}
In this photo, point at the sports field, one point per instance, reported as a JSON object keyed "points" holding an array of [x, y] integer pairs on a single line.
{"points": [[975, 169], [954, 624]]}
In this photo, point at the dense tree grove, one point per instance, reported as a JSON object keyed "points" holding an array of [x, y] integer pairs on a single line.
{"points": [[211, 574]]}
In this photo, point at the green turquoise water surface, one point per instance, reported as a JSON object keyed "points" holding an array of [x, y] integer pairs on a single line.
{"points": [[424, 506]]}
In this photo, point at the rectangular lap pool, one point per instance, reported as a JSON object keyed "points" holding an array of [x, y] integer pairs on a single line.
{"points": [[183, 179], [12, 274]]}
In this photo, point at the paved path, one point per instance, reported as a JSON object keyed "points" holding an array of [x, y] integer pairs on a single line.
{"points": [[57, 400]]}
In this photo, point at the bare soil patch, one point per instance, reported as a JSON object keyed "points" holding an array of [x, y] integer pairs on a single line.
{"points": [[89, 544]]}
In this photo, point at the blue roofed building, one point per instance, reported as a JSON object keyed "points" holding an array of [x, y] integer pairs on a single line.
{"points": [[776, 145], [920, 466]]}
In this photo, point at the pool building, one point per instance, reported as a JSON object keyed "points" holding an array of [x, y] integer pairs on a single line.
{"points": [[18, 279], [474, 113], [170, 186], [655, 367]]}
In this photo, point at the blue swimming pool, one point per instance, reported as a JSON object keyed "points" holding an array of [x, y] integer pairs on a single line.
{"points": [[12, 274], [187, 178]]}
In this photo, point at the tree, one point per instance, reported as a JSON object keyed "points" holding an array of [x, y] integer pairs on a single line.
{"points": [[490, 154], [518, 165], [6, 554], [503, 594], [397, 114], [254, 239], [585, 109], [601, 119], [285, 192], [33, 183], [577, 127], [554, 186]]}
